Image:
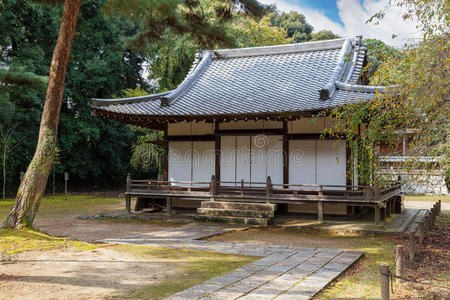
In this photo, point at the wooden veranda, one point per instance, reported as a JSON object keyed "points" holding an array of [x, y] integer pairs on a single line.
{"points": [[384, 200]]}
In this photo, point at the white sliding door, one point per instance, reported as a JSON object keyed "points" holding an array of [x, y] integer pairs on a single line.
{"points": [[259, 159], [243, 158], [228, 158], [302, 162], [275, 159], [331, 162], [180, 161], [191, 161], [203, 162], [251, 158]]}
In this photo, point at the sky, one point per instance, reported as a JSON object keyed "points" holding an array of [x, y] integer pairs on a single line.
{"points": [[347, 18]]}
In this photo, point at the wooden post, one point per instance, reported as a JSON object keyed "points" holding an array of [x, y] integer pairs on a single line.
{"points": [[128, 196], [412, 245], [399, 263], [285, 154], [392, 205], [388, 209], [268, 189], [320, 211], [384, 272], [377, 214], [242, 187], [421, 232], [168, 205], [439, 206], [165, 158], [212, 187]]}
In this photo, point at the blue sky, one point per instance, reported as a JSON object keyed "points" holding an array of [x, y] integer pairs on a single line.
{"points": [[329, 7], [348, 18]]}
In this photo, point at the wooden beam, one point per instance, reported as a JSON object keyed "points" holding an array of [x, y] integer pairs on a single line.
{"points": [[285, 153], [312, 136], [189, 138], [273, 131]]}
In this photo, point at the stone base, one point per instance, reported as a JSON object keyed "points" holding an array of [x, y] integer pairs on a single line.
{"points": [[236, 212]]}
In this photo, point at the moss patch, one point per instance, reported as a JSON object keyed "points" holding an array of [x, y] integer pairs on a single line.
{"points": [[197, 267], [428, 198], [15, 241]]}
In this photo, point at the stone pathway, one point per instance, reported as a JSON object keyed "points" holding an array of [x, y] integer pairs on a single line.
{"points": [[282, 273]]}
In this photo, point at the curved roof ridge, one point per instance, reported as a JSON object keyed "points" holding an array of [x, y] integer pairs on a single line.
{"points": [[196, 71], [360, 88], [279, 49], [326, 92], [113, 101]]}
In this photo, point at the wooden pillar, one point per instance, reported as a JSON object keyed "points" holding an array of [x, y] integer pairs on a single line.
{"points": [[128, 196], [320, 211], [168, 205], [285, 154], [320, 205], [377, 214], [212, 187], [388, 209], [217, 146], [268, 189], [166, 155]]}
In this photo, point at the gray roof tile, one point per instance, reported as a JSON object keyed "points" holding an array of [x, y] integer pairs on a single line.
{"points": [[261, 80]]}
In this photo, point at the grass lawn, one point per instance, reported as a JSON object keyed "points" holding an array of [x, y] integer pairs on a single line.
{"points": [[197, 267], [59, 205], [428, 198]]}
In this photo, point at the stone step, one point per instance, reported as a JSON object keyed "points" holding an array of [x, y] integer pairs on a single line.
{"points": [[233, 220], [235, 212], [239, 205]]}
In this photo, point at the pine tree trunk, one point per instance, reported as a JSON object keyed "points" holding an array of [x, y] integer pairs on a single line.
{"points": [[35, 180]]}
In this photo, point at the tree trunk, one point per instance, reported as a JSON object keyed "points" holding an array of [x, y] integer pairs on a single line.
{"points": [[4, 169], [33, 184]]}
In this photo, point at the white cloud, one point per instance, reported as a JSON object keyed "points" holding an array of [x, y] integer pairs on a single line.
{"points": [[354, 15]]}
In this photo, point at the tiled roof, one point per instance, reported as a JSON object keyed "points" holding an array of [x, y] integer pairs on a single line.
{"points": [[260, 80]]}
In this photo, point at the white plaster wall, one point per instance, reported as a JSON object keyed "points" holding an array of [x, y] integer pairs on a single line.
{"points": [[306, 125], [188, 128]]}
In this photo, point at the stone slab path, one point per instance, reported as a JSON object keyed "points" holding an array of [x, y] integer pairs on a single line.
{"points": [[282, 272]]}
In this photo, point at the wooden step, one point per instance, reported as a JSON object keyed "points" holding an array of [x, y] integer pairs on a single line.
{"points": [[233, 220], [235, 212], [239, 205]]}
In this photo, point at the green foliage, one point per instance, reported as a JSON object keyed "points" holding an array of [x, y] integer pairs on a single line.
{"points": [[100, 66], [203, 21], [147, 157], [295, 25], [252, 33], [323, 35], [417, 104], [377, 54]]}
